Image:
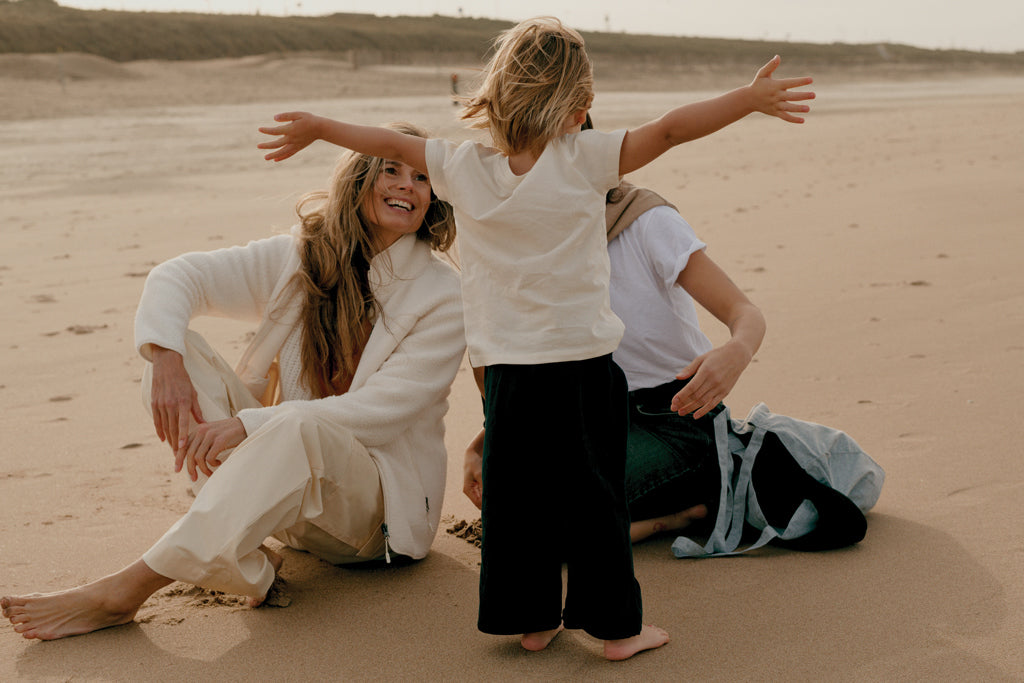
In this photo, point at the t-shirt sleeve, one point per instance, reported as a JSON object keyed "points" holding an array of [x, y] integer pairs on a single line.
{"points": [[438, 151], [668, 241], [598, 154]]}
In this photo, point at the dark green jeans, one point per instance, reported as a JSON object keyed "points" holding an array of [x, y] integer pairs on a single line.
{"points": [[671, 460]]}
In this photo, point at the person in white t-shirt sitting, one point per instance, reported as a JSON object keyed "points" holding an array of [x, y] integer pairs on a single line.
{"points": [[678, 379], [659, 268]]}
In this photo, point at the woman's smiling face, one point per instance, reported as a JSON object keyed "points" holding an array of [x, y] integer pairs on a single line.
{"points": [[397, 203]]}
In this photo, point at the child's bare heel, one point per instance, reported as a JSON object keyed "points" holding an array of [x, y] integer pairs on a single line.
{"points": [[649, 638], [537, 641]]}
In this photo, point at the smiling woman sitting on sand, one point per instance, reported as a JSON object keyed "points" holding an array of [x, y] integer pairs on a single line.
{"points": [[337, 446]]}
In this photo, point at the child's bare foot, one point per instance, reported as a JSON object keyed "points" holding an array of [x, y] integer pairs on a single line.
{"points": [[649, 638], [537, 641], [276, 561], [110, 601]]}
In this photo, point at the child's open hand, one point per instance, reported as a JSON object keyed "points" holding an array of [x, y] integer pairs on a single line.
{"points": [[302, 129], [774, 97]]}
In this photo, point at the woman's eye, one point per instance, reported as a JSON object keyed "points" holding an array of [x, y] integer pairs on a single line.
{"points": [[422, 178], [390, 170]]}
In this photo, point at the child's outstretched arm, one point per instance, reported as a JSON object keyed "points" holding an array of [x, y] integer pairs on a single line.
{"points": [[689, 122], [301, 128]]}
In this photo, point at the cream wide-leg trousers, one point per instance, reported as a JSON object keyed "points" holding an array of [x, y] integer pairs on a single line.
{"points": [[299, 478]]}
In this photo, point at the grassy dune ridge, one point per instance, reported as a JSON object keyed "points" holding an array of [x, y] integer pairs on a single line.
{"points": [[57, 61], [43, 26]]}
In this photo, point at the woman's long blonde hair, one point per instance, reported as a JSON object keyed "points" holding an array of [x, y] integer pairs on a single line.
{"points": [[336, 247], [539, 75]]}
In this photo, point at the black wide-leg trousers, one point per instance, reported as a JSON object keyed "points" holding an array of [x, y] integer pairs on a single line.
{"points": [[554, 493]]}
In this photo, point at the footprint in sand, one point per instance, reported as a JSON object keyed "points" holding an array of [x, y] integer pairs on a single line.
{"points": [[277, 596], [84, 329], [62, 518]]}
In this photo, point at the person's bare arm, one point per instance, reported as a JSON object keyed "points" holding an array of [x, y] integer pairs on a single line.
{"points": [[713, 374], [300, 129], [689, 122]]}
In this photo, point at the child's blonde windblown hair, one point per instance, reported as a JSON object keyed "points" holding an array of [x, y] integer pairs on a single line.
{"points": [[539, 75]]}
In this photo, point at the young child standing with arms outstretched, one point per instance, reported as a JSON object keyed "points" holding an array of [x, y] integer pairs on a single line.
{"points": [[530, 216]]}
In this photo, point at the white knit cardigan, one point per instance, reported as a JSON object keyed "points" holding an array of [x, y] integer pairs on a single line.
{"points": [[398, 398]]}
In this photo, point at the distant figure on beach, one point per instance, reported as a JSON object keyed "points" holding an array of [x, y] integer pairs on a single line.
{"points": [[678, 379], [329, 434], [530, 211], [455, 88]]}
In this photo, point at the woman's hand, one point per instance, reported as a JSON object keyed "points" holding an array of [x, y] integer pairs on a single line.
{"points": [[173, 399], [712, 376], [472, 470], [207, 443], [773, 97], [301, 130]]}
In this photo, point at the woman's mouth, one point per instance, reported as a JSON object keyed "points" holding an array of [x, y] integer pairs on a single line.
{"points": [[399, 204]]}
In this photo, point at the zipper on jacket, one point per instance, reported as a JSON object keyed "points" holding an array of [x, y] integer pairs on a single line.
{"points": [[384, 529]]}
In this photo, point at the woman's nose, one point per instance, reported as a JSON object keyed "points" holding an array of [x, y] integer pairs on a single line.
{"points": [[403, 180]]}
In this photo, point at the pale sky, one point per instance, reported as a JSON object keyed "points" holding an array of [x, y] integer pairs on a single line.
{"points": [[992, 25]]}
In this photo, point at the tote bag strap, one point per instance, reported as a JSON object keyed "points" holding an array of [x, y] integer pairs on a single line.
{"points": [[734, 502]]}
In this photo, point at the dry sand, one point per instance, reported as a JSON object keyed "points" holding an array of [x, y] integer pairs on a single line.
{"points": [[883, 240]]}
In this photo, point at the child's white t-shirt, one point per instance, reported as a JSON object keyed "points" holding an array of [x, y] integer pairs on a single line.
{"points": [[663, 332], [532, 248]]}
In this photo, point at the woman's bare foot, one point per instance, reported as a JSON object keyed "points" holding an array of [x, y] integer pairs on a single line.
{"points": [[276, 561], [537, 641], [649, 638], [646, 528], [110, 601]]}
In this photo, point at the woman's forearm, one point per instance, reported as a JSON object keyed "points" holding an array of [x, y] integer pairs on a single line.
{"points": [[747, 327]]}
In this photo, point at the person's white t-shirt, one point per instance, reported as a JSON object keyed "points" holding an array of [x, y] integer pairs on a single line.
{"points": [[662, 333], [532, 248]]}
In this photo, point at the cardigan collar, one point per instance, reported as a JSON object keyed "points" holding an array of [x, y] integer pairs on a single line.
{"points": [[405, 259]]}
